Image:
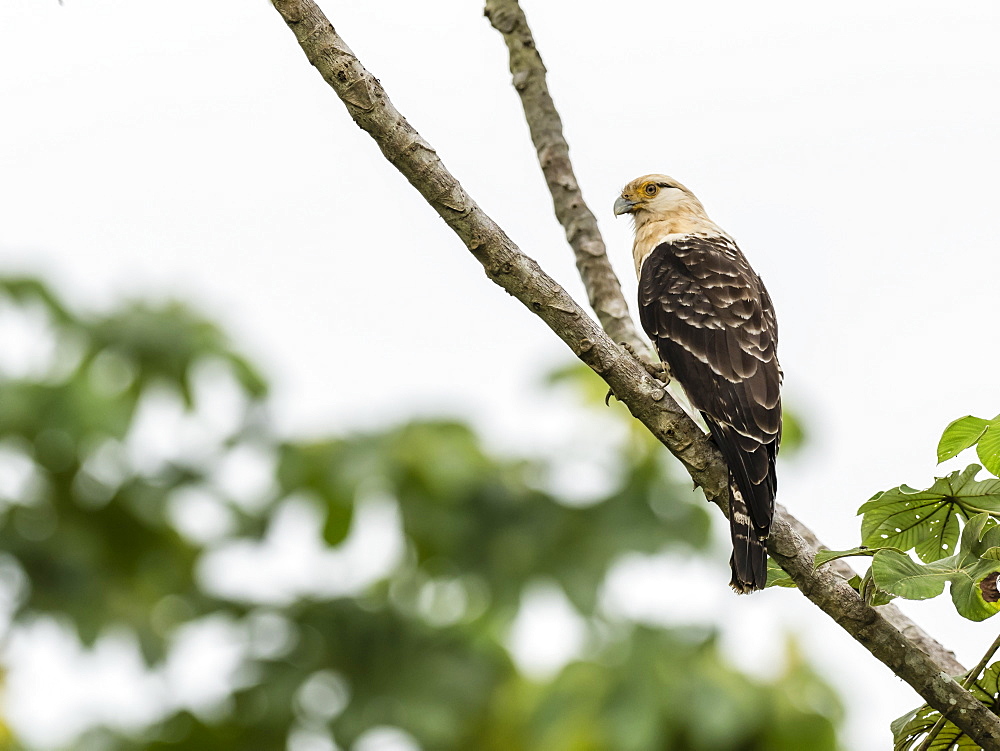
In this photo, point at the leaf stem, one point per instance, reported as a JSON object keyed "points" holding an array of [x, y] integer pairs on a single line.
{"points": [[994, 514]]}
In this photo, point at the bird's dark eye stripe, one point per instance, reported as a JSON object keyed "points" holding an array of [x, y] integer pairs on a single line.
{"points": [[665, 185]]}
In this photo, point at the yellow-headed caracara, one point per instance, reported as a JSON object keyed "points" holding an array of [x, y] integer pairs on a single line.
{"points": [[713, 325]]}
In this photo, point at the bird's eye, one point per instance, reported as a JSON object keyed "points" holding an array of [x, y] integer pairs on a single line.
{"points": [[651, 189]]}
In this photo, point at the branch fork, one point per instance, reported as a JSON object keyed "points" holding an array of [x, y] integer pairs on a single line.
{"points": [[888, 634]]}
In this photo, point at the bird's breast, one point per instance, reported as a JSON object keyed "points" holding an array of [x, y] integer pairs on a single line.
{"points": [[654, 232]]}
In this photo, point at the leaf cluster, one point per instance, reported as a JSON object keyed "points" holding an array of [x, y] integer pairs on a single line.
{"points": [[89, 524], [951, 527]]}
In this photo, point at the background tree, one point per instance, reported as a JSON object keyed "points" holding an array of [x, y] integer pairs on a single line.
{"points": [[107, 529]]}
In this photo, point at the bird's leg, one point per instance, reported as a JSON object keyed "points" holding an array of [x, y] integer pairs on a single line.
{"points": [[660, 372]]}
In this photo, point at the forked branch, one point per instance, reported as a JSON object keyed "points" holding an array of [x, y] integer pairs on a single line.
{"points": [[369, 106]]}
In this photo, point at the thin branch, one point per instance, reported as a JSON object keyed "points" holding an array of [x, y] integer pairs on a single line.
{"points": [[603, 288], [545, 125], [369, 106]]}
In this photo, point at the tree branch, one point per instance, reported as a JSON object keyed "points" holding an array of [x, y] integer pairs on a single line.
{"points": [[943, 656], [369, 106], [603, 288]]}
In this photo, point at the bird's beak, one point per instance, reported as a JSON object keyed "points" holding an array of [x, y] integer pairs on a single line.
{"points": [[624, 206]]}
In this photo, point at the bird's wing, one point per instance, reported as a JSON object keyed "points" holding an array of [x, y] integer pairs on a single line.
{"points": [[712, 322]]}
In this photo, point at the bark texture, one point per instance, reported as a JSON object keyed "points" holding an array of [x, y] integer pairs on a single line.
{"points": [[603, 288], [505, 264]]}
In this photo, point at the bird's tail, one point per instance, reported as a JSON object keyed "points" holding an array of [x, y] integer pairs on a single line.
{"points": [[749, 559]]}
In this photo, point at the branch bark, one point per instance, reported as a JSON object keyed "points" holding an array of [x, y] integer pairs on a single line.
{"points": [[603, 288], [504, 263]]}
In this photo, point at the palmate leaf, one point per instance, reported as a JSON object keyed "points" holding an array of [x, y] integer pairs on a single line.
{"points": [[960, 434], [928, 520], [973, 578], [974, 589], [969, 431], [909, 731], [898, 573]]}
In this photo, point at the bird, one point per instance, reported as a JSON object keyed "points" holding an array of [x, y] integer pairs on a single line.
{"points": [[713, 326]]}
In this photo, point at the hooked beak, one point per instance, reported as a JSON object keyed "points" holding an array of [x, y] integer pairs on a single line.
{"points": [[624, 206]]}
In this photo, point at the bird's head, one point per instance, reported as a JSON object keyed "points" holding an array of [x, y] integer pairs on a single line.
{"points": [[657, 197]]}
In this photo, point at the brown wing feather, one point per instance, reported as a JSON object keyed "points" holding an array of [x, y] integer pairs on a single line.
{"points": [[713, 323]]}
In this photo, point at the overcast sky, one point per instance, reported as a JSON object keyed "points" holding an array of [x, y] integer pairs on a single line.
{"points": [[187, 148]]}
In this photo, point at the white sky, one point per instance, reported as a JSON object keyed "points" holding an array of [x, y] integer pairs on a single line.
{"points": [[852, 149]]}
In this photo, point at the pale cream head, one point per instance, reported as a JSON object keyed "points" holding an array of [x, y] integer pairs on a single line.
{"points": [[657, 196], [662, 209]]}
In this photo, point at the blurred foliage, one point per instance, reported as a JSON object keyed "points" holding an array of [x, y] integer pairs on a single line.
{"points": [[110, 424]]}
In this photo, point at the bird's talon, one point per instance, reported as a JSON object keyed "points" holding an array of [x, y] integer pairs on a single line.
{"points": [[659, 372], [607, 397]]}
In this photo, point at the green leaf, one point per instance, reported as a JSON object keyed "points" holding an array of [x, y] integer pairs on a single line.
{"points": [[973, 579], [973, 588], [898, 573], [928, 520], [327, 471], [974, 531], [969, 431], [872, 594], [968, 587], [991, 539], [337, 524], [961, 434], [911, 727], [776, 576], [988, 449], [910, 730]]}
